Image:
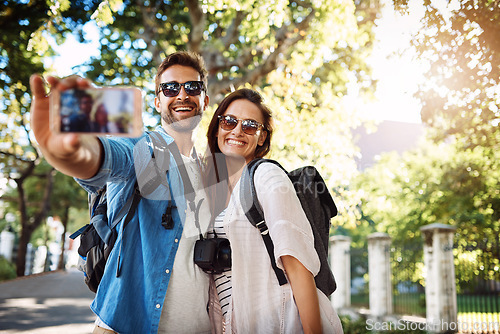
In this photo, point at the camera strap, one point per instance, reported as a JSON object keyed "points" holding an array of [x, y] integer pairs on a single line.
{"points": [[189, 192]]}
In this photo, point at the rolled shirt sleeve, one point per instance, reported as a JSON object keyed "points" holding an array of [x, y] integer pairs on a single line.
{"points": [[117, 166]]}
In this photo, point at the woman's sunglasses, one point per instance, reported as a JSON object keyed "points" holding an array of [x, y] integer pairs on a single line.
{"points": [[173, 88], [249, 126]]}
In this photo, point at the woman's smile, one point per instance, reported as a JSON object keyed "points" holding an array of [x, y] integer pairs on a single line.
{"points": [[234, 142]]}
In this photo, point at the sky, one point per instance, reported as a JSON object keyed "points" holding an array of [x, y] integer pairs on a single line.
{"points": [[73, 53], [397, 72], [398, 75]]}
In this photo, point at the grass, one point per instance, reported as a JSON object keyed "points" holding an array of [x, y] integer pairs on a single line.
{"points": [[484, 303], [476, 313], [409, 304]]}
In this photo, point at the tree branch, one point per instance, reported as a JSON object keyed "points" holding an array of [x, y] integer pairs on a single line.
{"points": [[22, 203], [16, 200], [150, 33], [46, 199], [23, 125], [198, 21], [15, 156], [9, 199], [27, 172], [232, 31], [286, 37]]}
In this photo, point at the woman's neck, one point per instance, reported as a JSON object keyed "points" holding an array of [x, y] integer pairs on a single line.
{"points": [[235, 168]]}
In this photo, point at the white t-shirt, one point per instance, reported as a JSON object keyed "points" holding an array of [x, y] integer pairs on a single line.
{"points": [[185, 307]]}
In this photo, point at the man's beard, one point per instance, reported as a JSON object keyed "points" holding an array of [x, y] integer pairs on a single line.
{"points": [[184, 124]]}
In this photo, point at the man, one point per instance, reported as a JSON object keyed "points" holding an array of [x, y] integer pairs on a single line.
{"points": [[80, 122], [138, 301]]}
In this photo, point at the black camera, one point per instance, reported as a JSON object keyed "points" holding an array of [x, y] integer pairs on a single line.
{"points": [[213, 255]]}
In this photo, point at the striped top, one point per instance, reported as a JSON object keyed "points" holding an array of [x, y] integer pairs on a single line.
{"points": [[222, 281]]}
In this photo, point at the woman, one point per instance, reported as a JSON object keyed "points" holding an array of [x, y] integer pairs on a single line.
{"points": [[250, 297], [100, 123]]}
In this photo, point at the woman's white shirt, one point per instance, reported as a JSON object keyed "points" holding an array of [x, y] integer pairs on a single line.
{"points": [[259, 303]]}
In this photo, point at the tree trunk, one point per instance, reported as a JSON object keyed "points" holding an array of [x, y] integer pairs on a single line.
{"points": [[28, 225], [64, 220], [22, 249], [46, 265]]}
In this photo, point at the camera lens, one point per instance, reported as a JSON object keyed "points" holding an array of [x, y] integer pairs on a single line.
{"points": [[224, 254]]}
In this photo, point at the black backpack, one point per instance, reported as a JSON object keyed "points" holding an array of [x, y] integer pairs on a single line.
{"points": [[97, 238], [317, 204]]}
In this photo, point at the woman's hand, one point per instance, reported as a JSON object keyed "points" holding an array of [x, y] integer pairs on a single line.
{"points": [[304, 293]]}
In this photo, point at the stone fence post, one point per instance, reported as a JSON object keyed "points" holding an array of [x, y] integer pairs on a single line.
{"points": [[440, 286], [7, 244], [379, 269], [340, 262]]}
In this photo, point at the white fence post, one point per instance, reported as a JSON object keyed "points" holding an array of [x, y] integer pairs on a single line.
{"points": [[379, 270], [7, 244], [340, 262], [440, 286]]}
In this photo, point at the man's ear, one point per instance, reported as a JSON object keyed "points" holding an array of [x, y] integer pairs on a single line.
{"points": [[157, 104], [262, 137], [206, 100]]}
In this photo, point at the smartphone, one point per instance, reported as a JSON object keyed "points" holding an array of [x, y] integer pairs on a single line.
{"points": [[100, 111]]}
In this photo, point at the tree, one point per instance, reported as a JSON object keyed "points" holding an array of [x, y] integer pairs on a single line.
{"points": [[461, 99], [300, 54], [32, 200], [437, 183], [461, 44], [67, 197], [241, 41], [21, 44]]}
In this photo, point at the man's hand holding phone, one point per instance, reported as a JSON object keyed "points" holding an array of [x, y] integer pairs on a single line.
{"points": [[70, 144]]}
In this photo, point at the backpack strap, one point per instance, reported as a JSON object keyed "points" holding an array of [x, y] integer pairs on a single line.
{"points": [[189, 192], [95, 200], [135, 199], [75, 234], [254, 212], [153, 174]]}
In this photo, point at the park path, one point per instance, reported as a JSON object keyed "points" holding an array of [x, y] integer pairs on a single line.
{"points": [[55, 302]]}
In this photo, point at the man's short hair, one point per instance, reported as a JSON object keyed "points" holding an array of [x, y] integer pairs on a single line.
{"points": [[81, 93], [183, 58]]}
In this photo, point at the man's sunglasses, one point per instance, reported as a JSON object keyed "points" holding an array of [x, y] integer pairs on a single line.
{"points": [[249, 126], [172, 88]]}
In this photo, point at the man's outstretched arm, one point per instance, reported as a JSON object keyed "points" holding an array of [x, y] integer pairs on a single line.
{"points": [[71, 154]]}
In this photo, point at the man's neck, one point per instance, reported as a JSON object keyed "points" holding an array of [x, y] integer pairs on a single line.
{"points": [[183, 140]]}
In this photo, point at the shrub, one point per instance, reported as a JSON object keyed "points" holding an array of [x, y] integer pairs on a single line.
{"points": [[353, 326], [363, 326], [7, 269]]}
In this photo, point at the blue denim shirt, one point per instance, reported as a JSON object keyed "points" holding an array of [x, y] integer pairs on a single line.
{"points": [[132, 302]]}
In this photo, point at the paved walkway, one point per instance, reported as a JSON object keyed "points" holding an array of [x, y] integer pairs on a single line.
{"points": [[55, 302]]}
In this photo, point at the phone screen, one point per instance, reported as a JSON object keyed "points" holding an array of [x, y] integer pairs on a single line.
{"points": [[98, 111]]}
